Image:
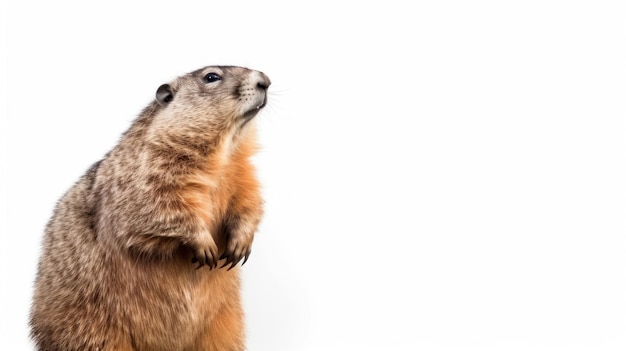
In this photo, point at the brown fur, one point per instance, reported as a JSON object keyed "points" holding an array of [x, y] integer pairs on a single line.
{"points": [[130, 256]]}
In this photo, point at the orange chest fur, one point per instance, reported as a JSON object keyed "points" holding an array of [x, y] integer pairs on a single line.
{"points": [[222, 185]]}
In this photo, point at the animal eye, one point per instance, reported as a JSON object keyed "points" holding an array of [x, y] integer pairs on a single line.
{"points": [[212, 77]]}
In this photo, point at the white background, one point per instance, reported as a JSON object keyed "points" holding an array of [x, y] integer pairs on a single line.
{"points": [[444, 175]]}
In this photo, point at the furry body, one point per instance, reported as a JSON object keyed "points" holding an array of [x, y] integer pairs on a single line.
{"points": [[130, 256]]}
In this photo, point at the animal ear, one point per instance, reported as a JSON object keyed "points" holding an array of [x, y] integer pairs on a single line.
{"points": [[164, 94]]}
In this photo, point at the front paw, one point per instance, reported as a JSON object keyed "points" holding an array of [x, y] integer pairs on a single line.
{"points": [[204, 250], [238, 247]]}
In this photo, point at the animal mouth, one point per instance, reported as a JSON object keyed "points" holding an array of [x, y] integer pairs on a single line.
{"points": [[253, 112], [262, 103]]}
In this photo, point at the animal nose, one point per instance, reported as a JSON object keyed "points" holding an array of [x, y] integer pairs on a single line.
{"points": [[263, 81]]}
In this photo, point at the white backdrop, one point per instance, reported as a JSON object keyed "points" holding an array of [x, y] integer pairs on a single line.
{"points": [[444, 175]]}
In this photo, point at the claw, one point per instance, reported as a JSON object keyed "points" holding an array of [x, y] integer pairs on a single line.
{"points": [[210, 261], [245, 259], [229, 260]]}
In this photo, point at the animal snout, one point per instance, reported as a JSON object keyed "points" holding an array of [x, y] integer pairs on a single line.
{"points": [[262, 81]]}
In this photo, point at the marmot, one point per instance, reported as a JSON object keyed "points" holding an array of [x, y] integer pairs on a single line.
{"points": [[138, 254]]}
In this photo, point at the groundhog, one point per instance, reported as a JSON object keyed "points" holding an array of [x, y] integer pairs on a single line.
{"points": [[142, 252]]}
